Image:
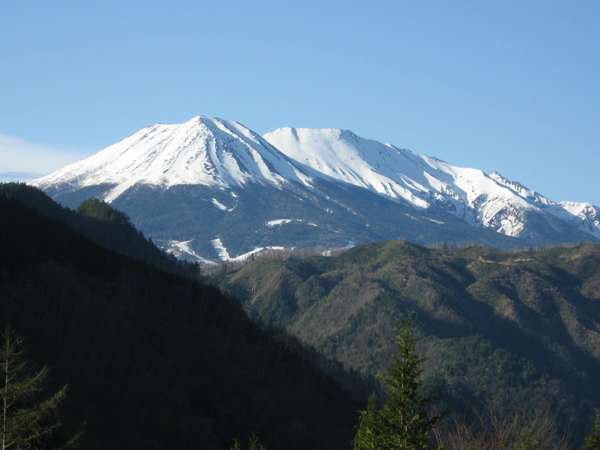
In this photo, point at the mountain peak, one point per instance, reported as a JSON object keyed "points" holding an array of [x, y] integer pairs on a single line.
{"points": [[201, 151], [303, 187], [345, 156]]}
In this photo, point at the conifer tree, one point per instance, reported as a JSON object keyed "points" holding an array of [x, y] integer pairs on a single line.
{"points": [[253, 444], [368, 433], [592, 442], [403, 421], [27, 421]]}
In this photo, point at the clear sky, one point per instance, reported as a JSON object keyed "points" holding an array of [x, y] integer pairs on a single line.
{"points": [[507, 85]]}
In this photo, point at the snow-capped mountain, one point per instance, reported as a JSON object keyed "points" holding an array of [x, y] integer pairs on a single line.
{"points": [[425, 182], [584, 216], [210, 189], [202, 151]]}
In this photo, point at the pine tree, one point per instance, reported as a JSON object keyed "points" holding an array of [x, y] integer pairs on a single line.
{"points": [[403, 422], [592, 442], [253, 444], [27, 422], [369, 428]]}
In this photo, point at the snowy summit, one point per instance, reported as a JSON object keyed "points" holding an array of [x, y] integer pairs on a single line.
{"points": [[212, 189], [202, 151]]}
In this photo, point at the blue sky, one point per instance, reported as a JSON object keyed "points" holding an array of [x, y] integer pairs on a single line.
{"points": [[506, 85]]}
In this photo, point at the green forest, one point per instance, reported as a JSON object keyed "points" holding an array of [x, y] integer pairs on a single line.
{"points": [[108, 343], [505, 332]]}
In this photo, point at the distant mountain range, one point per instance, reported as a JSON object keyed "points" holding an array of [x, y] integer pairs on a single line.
{"points": [[213, 190]]}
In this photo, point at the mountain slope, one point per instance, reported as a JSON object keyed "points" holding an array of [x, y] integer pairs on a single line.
{"points": [[425, 182], [584, 216], [511, 328], [101, 224], [155, 361], [202, 151], [212, 190]]}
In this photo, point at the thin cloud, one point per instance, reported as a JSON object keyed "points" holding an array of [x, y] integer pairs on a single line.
{"points": [[19, 155]]}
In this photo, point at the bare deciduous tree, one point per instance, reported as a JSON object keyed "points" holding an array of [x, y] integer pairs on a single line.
{"points": [[531, 428]]}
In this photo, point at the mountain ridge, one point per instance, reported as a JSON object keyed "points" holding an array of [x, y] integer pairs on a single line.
{"points": [[495, 327], [421, 180], [210, 189]]}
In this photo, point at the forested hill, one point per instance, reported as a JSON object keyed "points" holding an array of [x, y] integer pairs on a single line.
{"points": [[154, 360], [509, 328], [100, 223]]}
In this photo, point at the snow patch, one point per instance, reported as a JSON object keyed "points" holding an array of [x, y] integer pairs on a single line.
{"points": [[279, 222], [181, 248], [439, 222], [221, 249], [226, 257], [276, 222], [221, 206]]}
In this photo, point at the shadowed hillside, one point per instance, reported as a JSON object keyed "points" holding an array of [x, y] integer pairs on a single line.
{"points": [[100, 223], [155, 361]]}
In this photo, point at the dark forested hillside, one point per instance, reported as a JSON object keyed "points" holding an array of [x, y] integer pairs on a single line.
{"points": [[100, 223], [153, 360], [508, 328]]}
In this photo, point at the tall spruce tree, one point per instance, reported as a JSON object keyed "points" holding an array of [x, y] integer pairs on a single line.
{"points": [[403, 421], [28, 422]]}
